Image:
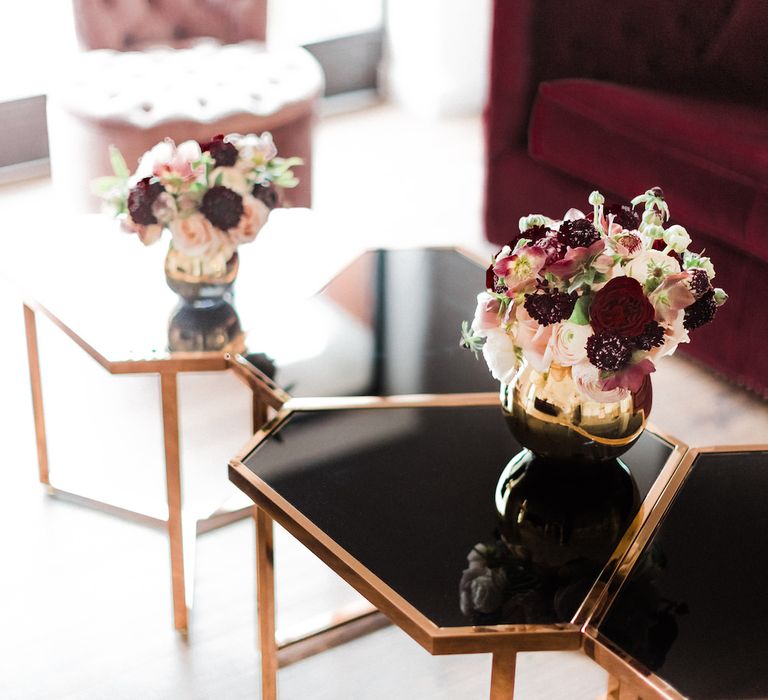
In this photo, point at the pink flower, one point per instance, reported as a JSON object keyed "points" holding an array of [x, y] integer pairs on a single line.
{"points": [[520, 269], [577, 258], [674, 334], [195, 236], [628, 244], [672, 295], [148, 234], [486, 314], [533, 339], [255, 215], [631, 377], [176, 167]]}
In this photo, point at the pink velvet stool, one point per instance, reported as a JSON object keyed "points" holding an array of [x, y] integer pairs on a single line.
{"points": [[186, 89]]}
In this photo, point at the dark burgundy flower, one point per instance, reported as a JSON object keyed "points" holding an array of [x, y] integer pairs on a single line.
{"points": [[609, 351], [140, 200], [621, 307], [623, 214], [700, 312], [222, 206], [643, 397], [698, 282], [651, 337], [578, 233], [550, 305], [554, 249], [266, 194], [222, 152]]}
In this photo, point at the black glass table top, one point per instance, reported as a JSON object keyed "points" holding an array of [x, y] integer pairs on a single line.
{"points": [[391, 325], [694, 609], [409, 493]]}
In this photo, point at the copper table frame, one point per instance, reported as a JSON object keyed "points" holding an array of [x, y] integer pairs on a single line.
{"points": [[502, 641], [181, 528], [630, 679]]}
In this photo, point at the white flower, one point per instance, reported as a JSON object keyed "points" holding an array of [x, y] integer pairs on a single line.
{"points": [[499, 354], [651, 263], [255, 151], [569, 343], [677, 238]]}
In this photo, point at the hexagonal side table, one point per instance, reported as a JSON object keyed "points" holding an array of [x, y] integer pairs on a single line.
{"points": [[686, 614], [395, 495]]}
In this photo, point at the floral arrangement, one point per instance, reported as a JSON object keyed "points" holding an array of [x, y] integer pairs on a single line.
{"points": [[605, 294], [212, 196]]}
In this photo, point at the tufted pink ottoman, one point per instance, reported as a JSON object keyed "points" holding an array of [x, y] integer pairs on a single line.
{"points": [[134, 99]]}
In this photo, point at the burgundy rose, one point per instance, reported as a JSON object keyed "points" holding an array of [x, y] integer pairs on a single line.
{"points": [[621, 307]]}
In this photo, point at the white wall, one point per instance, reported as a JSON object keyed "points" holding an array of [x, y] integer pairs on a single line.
{"points": [[436, 62]]}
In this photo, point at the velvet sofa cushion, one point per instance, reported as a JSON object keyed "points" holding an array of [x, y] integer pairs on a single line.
{"points": [[711, 158]]}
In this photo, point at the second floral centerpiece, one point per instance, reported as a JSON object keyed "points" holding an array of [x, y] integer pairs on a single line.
{"points": [[577, 312], [212, 197]]}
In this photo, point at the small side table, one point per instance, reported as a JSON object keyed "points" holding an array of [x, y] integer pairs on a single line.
{"points": [[108, 294], [395, 495]]}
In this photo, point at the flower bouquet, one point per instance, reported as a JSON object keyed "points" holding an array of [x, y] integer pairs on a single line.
{"points": [[212, 197], [593, 301]]}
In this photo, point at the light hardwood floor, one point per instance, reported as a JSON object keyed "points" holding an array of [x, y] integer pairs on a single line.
{"points": [[85, 607]]}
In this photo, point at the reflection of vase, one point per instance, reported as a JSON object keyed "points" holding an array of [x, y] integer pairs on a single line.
{"points": [[205, 328], [200, 282], [558, 528], [548, 414], [560, 513]]}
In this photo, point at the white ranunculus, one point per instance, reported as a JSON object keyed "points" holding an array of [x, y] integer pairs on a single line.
{"points": [[569, 343], [499, 354]]}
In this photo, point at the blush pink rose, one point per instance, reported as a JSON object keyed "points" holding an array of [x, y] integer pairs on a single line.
{"points": [[486, 314], [255, 215], [195, 236]]}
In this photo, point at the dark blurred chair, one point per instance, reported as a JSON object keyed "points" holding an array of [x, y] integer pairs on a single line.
{"points": [[187, 69], [622, 96]]}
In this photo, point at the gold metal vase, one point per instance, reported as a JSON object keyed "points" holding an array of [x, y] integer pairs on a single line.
{"points": [[548, 414], [201, 282]]}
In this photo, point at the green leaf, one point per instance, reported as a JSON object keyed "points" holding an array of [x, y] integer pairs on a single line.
{"points": [[219, 179], [103, 186], [119, 166], [470, 340], [580, 315]]}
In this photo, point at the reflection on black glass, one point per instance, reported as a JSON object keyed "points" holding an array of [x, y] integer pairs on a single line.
{"points": [[202, 329], [560, 524], [643, 622]]}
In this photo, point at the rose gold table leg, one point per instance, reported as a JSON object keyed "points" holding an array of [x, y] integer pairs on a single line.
{"points": [[176, 529], [620, 691], [37, 393], [265, 592], [503, 675]]}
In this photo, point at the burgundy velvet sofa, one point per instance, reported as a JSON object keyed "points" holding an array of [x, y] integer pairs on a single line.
{"points": [[622, 96]]}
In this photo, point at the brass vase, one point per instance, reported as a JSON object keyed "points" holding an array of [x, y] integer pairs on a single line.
{"points": [[201, 282], [548, 414]]}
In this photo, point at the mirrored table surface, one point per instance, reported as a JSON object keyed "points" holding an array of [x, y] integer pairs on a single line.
{"points": [[407, 494], [691, 618]]}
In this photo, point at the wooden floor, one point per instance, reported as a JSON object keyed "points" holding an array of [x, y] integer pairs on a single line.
{"points": [[85, 608]]}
